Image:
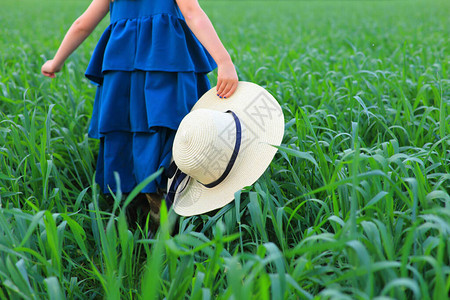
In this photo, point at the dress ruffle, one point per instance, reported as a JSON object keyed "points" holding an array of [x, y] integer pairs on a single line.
{"points": [[160, 42], [143, 101], [135, 116]]}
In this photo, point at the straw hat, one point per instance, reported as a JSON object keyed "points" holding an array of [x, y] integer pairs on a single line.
{"points": [[221, 146]]}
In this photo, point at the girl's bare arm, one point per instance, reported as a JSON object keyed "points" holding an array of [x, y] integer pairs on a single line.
{"points": [[76, 34], [203, 29]]}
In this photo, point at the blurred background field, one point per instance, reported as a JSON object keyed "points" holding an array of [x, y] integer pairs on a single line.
{"points": [[355, 205]]}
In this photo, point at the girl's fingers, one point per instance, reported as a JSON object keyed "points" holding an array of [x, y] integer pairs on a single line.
{"points": [[224, 89], [219, 87], [227, 88], [231, 89], [48, 74]]}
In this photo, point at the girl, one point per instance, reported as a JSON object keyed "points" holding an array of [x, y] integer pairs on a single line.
{"points": [[150, 68]]}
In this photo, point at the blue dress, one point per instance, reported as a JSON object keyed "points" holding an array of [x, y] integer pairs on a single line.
{"points": [[150, 70]]}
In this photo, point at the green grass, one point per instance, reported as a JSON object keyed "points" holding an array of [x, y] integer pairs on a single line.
{"points": [[355, 204]]}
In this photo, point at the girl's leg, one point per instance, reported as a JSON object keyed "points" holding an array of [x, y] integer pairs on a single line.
{"points": [[151, 151], [154, 202]]}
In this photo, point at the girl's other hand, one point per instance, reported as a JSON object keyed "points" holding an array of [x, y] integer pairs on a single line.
{"points": [[227, 80], [49, 69]]}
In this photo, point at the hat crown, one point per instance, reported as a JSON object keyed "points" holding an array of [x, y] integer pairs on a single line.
{"points": [[198, 150]]}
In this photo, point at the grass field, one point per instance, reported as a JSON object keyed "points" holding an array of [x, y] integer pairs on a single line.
{"points": [[355, 204]]}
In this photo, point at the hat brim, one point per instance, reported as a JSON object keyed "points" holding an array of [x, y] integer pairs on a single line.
{"points": [[262, 122]]}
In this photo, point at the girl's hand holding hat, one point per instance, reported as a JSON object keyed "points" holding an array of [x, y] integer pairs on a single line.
{"points": [[227, 80], [201, 26]]}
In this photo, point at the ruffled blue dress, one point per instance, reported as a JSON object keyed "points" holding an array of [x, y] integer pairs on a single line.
{"points": [[150, 70]]}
